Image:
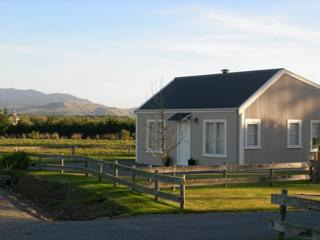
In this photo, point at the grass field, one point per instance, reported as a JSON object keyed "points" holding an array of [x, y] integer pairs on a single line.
{"points": [[105, 149], [254, 197]]}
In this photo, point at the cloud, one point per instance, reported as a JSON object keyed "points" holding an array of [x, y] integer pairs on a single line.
{"points": [[257, 25]]}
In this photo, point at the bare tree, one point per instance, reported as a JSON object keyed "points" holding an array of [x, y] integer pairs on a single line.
{"points": [[164, 138]]}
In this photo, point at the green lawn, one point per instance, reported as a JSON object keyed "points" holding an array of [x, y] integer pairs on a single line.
{"points": [[252, 197]]}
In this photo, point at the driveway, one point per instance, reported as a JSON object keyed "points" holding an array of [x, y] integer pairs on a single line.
{"points": [[220, 226]]}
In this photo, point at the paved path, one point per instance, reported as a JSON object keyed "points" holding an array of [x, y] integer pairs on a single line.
{"points": [[11, 209], [220, 226]]}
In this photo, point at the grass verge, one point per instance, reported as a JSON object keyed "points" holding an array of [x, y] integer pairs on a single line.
{"points": [[74, 196]]}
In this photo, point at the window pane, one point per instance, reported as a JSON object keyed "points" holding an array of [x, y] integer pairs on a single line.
{"points": [[215, 138], [210, 138], [154, 136], [315, 135], [220, 138], [294, 134], [252, 134]]}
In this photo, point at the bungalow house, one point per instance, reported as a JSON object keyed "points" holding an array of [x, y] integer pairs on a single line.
{"points": [[233, 117]]}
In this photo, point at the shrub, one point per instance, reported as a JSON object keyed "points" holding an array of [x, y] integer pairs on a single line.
{"points": [[55, 135], [125, 134], [76, 136], [17, 160]]}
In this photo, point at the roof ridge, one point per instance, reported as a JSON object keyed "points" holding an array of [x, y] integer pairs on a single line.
{"points": [[215, 74]]}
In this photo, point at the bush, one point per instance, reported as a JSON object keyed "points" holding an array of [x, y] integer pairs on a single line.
{"points": [[125, 134], [55, 135], [17, 160], [76, 136]]}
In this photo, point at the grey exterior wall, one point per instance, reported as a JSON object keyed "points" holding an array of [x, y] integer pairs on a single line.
{"points": [[196, 139], [287, 98]]}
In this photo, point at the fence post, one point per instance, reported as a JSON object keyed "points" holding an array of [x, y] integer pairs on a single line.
{"points": [[156, 186], [224, 173], [311, 165], [61, 164], [174, 174], [283, 212], [316, 167], [40, 163], [100, 171], [133, 176], [86, 166], [115, 173], [149, 179], [270, 175], [182, 193]]}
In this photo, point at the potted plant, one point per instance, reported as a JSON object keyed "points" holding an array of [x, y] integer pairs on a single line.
{"points": [[191, 162]]}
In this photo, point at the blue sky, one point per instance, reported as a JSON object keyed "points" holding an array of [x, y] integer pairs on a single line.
{"points": [[118, 52]]}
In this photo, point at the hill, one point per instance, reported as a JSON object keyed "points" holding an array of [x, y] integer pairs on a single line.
{"points": [[34, 102]]}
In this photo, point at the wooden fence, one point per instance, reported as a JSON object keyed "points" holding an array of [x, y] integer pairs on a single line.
{"points": [[231, 173], [155, 177], [304, 202]]}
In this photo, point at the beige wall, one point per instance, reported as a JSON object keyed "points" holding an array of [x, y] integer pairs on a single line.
{"points": [[196, 139], [287, 98]]}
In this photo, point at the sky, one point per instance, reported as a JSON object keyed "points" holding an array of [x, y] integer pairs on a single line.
{"points": [[118, 53]]}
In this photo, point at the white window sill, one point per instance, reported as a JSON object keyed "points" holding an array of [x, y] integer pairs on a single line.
{"points": [[253, 147], [295, 146], [313, 150], [214, 155]]}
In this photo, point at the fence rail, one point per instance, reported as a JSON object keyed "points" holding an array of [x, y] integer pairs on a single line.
{"points": [[156, 177], [302, 201]]}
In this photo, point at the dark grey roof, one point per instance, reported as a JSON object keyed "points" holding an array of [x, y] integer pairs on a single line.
{"points": [[180, 117], [227, 90]]}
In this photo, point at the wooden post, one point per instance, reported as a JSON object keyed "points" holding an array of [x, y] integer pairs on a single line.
{"points": [[86, 166], [174, 174], [149, 179], [316, 168], [133, 176], [311, 171], [270, 175], [100, 171], [182, 193], [40, 163], [61, 164], [224, 173], [156, 186], [283, 212], [115, 173]]}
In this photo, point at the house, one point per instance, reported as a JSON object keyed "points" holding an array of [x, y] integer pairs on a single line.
{"points": [[258, 116]]}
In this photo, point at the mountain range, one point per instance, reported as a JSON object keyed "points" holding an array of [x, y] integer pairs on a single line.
{"points": [[38, 103]]}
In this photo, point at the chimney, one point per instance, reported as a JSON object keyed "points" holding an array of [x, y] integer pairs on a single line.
{"points": [[225, 71]]}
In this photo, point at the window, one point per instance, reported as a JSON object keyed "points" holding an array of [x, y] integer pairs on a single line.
{"points": [[214, 138], [253, 132], [294, 134], [153, 135], [314, 135]]}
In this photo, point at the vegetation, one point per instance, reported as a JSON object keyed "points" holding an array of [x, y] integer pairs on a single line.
{"points": [[4, 121], [55, 127], [254, 197], [13, 161], [105, 149]]}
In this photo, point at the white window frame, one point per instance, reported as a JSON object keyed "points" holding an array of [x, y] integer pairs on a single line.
{"points": [[204, 136], [300, 132], [147, 137], [311, 123], [253, 121]]}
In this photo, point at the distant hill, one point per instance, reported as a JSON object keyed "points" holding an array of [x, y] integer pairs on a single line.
{"points": [[34, 102]]}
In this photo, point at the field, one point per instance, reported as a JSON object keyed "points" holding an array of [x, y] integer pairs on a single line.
{"points": [[104, 149]]}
